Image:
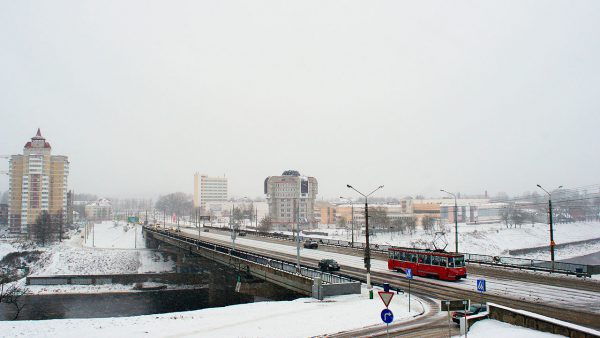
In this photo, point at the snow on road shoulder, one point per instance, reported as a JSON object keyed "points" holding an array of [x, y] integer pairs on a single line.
{"points": [[302, 317], [493, 328]]}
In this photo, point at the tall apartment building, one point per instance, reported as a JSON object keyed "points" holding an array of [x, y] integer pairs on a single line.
{"points": [[37, 183], [291, 198], [208, 190]]}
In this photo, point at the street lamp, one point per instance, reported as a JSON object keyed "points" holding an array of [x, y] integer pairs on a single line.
{"points": [[550, 220], [232, 224], [455, 220], [367, 248], [352, 205]]}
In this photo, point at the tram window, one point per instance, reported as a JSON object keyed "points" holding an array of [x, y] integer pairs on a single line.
{"points": [[402, 256], [427, 260], [435, 260], [450, 262], [413, 257], [460, 262], [443, 261]]}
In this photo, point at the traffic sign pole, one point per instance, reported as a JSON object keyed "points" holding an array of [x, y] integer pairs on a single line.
{"points": [[409, 276]]}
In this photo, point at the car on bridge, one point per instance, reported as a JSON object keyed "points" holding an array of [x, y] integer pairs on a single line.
{"points": [[310, 244], [473, 310], [328, 265]]}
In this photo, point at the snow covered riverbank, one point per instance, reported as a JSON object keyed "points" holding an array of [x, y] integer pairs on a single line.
{"points": [[489, 239], [304, 317]]}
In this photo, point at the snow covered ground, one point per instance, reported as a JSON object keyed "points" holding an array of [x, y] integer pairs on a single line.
{"points": [[490, 239], [113, 250], [304, 317], [493, 328]]}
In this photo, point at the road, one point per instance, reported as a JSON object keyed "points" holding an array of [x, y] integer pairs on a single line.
{"points": [[565, 298]]}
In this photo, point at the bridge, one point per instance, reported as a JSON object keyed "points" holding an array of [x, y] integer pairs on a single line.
{"points": [[306, 280]]}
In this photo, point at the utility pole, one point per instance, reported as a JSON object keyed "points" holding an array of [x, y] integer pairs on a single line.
{"points": [[297, 210], [552, 244], [352, 208], [367, 248], [455, 220]]}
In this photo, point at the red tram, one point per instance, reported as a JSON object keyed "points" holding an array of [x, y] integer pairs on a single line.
{"points": [[428, 263]]}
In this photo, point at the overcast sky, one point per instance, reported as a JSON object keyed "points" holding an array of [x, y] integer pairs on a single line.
{"points": [[467, 96]]}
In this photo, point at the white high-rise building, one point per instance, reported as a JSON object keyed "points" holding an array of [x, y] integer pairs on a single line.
{"points": [[209, 190]]}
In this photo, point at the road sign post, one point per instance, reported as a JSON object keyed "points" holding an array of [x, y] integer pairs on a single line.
{"points": [[409, 276], [386, 297], [481, 287], [387, 316], [454, 305]]}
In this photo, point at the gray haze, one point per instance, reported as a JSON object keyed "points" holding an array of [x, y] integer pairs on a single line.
{"points": [[422, 95]]}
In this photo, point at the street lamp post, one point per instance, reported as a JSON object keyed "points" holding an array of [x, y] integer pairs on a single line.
{"points": [[550, 221], [297, 210], [455, 220], [367, 248], [352, 206], [232, 225]]}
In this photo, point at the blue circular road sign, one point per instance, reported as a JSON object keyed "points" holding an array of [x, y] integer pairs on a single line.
{"points": [[387, 316]]}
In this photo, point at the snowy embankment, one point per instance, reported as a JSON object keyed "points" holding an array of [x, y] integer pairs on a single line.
{"points": [[113, 249], [493, 328], [304, 317], [489, 239]]}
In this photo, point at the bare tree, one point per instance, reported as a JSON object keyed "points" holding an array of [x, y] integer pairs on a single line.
{"points": [[11, 293], [43, 229], [399, 224], [428, 223], [411, 224], [266, 224]]}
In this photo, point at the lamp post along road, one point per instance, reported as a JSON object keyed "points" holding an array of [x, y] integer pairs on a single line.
{"points": [[550, 221], [297, 209], [367, 248], [352, 208], [455, 220]]}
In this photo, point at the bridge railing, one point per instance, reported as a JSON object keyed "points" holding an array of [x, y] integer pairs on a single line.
{"points": [[286, 266], [530, 264]]}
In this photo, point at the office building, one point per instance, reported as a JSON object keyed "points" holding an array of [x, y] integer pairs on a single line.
{"points": [[209, 190], [291, 199]]}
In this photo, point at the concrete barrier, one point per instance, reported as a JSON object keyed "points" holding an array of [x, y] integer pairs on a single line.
{"points": [[538, 322], [167, 278]]}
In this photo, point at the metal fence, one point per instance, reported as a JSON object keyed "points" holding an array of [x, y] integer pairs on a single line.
{"points": [[530, 264]]}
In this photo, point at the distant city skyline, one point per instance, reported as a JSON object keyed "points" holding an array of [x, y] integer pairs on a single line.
{"points": [[418, 97]]}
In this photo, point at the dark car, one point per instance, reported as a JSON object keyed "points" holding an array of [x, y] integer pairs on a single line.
{"points": [[473, 310], [328, 265], [310, 244], [206, 230], [242, 233]]}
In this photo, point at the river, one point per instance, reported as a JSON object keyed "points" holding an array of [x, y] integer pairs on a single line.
{"points": [[218, 291]]}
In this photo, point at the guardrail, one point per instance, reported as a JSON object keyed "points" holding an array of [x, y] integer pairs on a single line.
{"points": [[531, 264], [504, 261], [286, 266]]}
